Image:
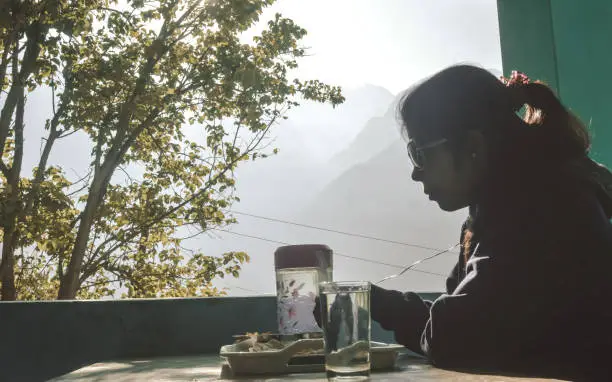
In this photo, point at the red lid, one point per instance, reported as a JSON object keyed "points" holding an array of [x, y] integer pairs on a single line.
{"points": [[304, 255]]}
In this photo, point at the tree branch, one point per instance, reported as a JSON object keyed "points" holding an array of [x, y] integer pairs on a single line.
{"points": [[7, 43], [125, 113], [84, 179], [98, 283], [4, 169], [54, 134], [35, 34], [9, 226], [195, 195]]}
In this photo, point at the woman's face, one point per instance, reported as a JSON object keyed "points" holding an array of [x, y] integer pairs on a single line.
{"points": [[449, 175]]}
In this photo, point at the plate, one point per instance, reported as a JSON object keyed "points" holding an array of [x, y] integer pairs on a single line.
{"points": [[289, 360]]}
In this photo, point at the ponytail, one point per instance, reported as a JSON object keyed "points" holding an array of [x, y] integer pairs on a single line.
{"points": [[559, 131], [552, 126]]}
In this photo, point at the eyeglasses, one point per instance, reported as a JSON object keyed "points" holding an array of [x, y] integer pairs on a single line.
{"points": [[416, 153]]}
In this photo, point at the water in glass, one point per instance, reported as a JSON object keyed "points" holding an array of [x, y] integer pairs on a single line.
{"points": [[345, 313]]}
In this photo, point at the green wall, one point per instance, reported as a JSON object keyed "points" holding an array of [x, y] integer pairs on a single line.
{"points": [[568, 45]]}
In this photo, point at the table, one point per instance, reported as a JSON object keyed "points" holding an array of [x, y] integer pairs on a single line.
{"points": [[211, 368]]}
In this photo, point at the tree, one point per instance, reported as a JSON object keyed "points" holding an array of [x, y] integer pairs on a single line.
{"points": [[135, 78], [29, 36]]}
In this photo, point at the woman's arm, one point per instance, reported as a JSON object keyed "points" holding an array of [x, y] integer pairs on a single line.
{"points": [[404, 313], [486, 319]]}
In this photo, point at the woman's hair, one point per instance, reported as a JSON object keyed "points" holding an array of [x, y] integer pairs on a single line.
{"points": [[464, 97], [524, 122]]}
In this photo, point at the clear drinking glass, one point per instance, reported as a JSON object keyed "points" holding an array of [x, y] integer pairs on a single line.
{"points": [[345, 316]]}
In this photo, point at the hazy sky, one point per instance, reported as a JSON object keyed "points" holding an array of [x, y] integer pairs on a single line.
{"points": [[392, 43]]}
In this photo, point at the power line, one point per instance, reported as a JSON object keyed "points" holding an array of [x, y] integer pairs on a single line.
{"points": [[336, 253], [244, 289], [408, 268], [338, 231]]}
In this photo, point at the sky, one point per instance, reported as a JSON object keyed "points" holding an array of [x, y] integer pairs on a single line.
{"points": [[392, 43]]}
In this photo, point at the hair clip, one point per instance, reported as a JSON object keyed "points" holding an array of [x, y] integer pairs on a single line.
{"points": [[516, 78]]}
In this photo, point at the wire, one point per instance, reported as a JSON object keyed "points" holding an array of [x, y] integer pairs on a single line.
{"points": [[408, 268], [241, 288], [337, 253], [339, 232]]}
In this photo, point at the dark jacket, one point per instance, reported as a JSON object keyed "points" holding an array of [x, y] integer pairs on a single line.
{"points": [[535, 296]]}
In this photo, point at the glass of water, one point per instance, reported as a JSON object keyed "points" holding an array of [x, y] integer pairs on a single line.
{"points": [[345, 316]]}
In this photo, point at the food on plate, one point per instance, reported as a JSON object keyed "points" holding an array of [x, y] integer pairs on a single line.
{"points": [[261, 342], [255, 342]]}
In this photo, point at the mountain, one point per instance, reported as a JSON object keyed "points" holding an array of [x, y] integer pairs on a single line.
{"points": [[280, 186], [360, 104], [307, 140], [379, 132], [379, 196]]}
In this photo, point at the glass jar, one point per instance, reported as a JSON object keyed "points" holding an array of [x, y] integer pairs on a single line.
{"points": [[299, 270]]}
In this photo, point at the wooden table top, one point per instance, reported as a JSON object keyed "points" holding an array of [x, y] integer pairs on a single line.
{"points": [[212, 368]]}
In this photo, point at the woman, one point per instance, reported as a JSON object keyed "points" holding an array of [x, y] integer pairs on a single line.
{"points": [[531, 291]]}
